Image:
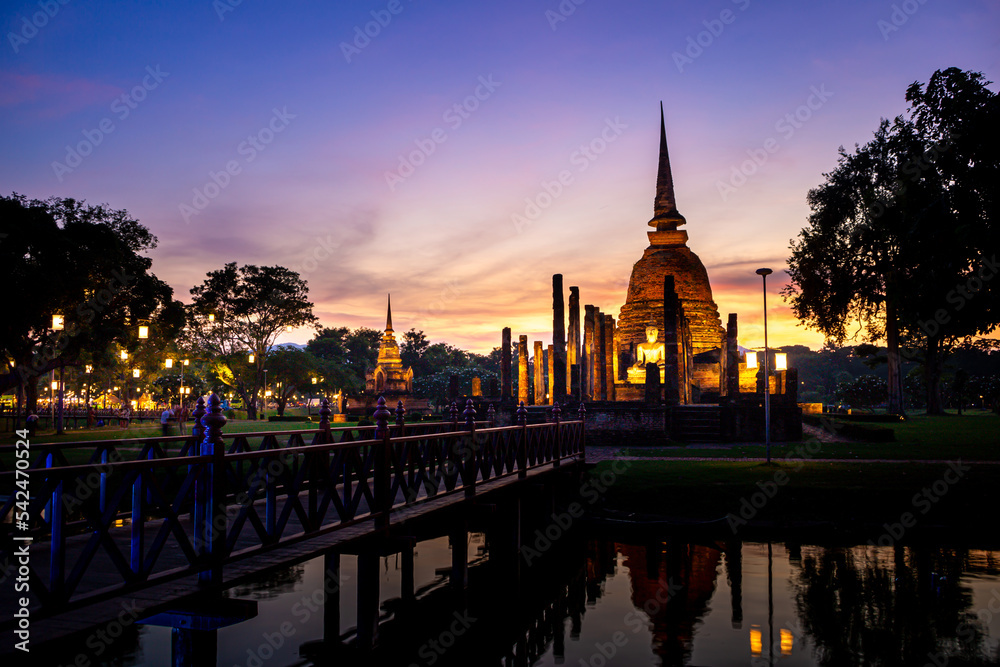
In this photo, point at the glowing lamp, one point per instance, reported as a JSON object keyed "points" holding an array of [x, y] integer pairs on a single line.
{"points": [[89, 369], [136, 373], [251, 357], [58, 323], [211, 317], [751, 360], [186, 362], [169, 363], [288, 327], [55, 385], [756, 642], [314, 380], [786, 642], [780, 361], [124, 355], [267, 393], [143, 332]]}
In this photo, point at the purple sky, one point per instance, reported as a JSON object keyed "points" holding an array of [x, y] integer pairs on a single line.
{"points": [[314, 133]]}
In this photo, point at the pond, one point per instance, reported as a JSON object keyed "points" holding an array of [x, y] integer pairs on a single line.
{"points": [[599, 602]]}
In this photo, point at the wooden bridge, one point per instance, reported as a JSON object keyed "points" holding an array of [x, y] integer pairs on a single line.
{"points": [[148, 522]]}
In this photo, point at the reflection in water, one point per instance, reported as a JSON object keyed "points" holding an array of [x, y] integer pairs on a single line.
{"points": [[602, 603], [891, 606]]}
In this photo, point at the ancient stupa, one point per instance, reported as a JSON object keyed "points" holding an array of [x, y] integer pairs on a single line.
{"points": [[668, 254], [389, 378]]}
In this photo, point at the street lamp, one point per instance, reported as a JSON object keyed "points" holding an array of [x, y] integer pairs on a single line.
{"points": [[764, 273], [143, 332]]}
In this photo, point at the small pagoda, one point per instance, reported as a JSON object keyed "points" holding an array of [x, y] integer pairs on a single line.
{"points": [[389, 378]]}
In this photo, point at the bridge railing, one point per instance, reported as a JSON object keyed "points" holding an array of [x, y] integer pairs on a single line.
{"points": [[105, 526]]}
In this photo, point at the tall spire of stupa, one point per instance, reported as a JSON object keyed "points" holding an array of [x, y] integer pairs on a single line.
{"points": [[388, 314], [665, 215]]}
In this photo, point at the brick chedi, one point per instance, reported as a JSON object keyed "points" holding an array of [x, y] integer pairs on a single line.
{"points": [[389, 378], [668, 254]]}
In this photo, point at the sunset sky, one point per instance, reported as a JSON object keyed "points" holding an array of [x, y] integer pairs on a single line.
{"points": [[400, 162]]}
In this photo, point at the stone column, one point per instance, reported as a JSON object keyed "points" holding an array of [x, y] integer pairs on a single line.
{"points": [[522, 369], [732, 358], [539, 374], [587, 365], [505, 379], [558, 339], [553, 375], [600, 357], [609, 355], [573, 340], [671, 338]]}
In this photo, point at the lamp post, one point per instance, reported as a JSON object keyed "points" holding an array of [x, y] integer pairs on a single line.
{"points": [[764, 273]]}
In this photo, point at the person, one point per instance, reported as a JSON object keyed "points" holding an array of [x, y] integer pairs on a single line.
{"points": [[32, 422], [182, 417], [90, 416], [126, 416], [165, 418]]}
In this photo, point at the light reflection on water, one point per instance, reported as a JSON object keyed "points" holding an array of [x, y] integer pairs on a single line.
{"points": [[601, 603]]}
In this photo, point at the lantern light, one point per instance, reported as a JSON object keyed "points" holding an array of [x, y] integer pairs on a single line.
{"points": [[787, 641], [251, 357], [143, 332], [751, 360], [211, 317], [58, 323], [55, 386], [135, 372], [314, 380], [780, 361], [124, 355], [186, 362], [169, 363], [756, 642], [89, 368]]}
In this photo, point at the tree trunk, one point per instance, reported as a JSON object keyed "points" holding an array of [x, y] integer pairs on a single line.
{"points": [[896, 405], [281, 405], [932, 375]]}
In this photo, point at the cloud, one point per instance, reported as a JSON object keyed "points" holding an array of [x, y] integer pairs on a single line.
{"points": [[53, 96]]}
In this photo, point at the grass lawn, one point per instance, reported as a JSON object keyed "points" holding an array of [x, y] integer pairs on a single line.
{"points": [[851, 494], [973, 436]]}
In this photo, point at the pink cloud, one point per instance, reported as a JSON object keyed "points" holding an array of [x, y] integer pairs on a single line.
{"points": [[53, 95]]}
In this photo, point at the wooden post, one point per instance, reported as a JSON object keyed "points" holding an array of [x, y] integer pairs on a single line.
{"points": [[522, 445], [383, 503], [469, 454], [331, 603], [369, 574], [214, 521]]}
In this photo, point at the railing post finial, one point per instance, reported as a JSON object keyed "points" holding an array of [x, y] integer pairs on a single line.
{"points": [[522, 415], [582, 412], [454, 412], [491, 414], [470, 415], [400, 412], [556, 411], [324, 415], [381, 415]]}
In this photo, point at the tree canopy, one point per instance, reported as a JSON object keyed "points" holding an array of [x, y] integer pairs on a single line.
{"points": [[85, 263], [902, 236]]}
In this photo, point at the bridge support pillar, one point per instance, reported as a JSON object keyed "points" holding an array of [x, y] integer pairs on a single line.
{"points": [[193, 648], [459, 539], [331, 603], [407, 587], [368, 599]]}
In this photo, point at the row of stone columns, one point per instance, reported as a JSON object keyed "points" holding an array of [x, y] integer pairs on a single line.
{"points": [[579, 364]]}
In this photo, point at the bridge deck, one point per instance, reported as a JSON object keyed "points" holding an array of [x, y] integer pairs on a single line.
{"points": [[160, 596]]}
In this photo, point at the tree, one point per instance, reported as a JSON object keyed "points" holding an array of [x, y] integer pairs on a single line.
{"points": [[900, 226], [84, 262], [290, 370], [239, 312], [347, 355]]}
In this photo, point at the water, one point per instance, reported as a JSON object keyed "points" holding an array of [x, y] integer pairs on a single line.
{"points": [[599, 603]]}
